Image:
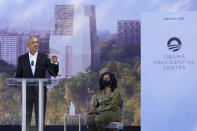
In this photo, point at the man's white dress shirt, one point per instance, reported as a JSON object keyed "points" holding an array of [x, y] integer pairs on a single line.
{"points": [[34, 59]]}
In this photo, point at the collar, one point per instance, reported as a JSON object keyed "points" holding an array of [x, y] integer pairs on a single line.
{"points": [[36, 54]]}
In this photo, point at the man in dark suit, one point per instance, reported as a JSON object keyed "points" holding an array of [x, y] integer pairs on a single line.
{"points": [[34, 65]]}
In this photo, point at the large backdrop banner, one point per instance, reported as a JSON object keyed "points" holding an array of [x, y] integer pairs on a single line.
{"points": [[89, 37], [168, 71]]}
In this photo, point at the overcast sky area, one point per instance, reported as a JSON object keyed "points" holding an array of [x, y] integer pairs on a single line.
{"points": [[39, 13]]}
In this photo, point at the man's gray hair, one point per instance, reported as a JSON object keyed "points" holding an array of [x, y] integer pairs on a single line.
{"points": [[31, 37]]}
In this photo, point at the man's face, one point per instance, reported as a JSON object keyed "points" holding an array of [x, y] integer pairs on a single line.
{"points": [[33, 45]]}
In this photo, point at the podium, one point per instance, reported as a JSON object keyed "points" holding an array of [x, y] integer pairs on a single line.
{"points": [[40, 82]]}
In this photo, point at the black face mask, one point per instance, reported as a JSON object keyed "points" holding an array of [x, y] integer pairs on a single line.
{"points": [[106, 83]]}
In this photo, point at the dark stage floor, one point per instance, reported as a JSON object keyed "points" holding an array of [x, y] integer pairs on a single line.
{"points": [[61, 128]]}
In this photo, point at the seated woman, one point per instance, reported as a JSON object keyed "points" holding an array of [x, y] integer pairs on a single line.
{"points": [[106, 104]]}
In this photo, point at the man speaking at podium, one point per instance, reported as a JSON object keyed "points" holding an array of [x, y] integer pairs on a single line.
{"points": [[34, 65]]}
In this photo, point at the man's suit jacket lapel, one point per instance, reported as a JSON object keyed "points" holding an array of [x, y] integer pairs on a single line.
{"points": [[28, 66], [38, 65]]}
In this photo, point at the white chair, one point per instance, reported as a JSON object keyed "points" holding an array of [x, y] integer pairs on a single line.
{"points": [[118, 125]]}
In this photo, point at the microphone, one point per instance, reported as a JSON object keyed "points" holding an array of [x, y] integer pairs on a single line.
{"points": [[32, 63]]}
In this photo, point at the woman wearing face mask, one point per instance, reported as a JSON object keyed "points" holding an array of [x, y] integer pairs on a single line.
{"points": [[106, 104]]}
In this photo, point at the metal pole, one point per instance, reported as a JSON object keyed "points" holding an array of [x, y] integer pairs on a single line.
{"points": [[41, 105], [24, 126]]}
